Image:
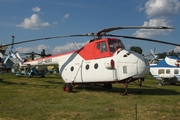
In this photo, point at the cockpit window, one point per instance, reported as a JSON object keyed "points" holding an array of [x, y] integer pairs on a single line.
{"points": [[98, 46], [121, 45], [104, 47], [114, 45]]}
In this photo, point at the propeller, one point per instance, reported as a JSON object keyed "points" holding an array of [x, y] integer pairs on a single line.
{"points": [[144, 39], [30, 53], [130, 27], [103, 32]]}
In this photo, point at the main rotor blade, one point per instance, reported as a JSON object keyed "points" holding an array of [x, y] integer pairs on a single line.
{"points": [[144, 39], [131, 27], [47, 38]]}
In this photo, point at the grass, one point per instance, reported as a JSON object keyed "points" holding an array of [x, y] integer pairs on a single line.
{"points": [[23, 98]]}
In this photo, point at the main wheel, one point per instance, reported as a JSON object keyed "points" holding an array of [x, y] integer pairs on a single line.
{"points": [[67, 87]]}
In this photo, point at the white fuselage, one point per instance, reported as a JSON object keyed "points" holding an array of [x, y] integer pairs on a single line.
{"points": [[73, 68], [167, 70], [167, 74]]}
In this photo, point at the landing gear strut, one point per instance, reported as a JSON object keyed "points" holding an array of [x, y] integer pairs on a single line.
{"points": [[139, 84], [126, 85], [161, 83]]}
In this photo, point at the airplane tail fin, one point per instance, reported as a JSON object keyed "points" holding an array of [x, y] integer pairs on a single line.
{"points": [[19, 58]]}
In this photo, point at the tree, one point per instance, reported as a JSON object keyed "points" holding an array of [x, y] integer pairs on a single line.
{"points": [[136, 49]]}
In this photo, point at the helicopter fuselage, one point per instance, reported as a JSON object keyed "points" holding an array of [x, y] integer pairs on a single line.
{"points": [[100, 61], [167, 70]]}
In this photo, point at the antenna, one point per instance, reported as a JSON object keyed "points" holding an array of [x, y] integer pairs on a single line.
{"points": [[76, 45], [12, 42]]}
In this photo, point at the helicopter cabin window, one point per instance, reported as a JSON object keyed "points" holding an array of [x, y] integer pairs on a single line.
{"points": [[114, 45], [124, 69], [176, 71], [98, 46], [120, 44], [104, 47], [167, 71], [161, 71]]}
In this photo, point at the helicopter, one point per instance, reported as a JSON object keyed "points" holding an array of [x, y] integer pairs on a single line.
{"points": [[28, 70], [104, 60], [166, 70], [18, 69]]}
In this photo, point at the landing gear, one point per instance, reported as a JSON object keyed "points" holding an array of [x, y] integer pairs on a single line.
{"points": [[126, 84], [161, 83], [67, 87], [127, 81]]}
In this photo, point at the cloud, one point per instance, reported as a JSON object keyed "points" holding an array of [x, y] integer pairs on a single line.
{"points": [[158, 12], [177, 49], [65, 17], [36, 9], [68, 47], [153, 22], [37, 49], [56, 50], [34, 22], [55, 23], [165, 8]]}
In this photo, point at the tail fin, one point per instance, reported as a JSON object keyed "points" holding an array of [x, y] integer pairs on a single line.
{"points": [[2, 50]]}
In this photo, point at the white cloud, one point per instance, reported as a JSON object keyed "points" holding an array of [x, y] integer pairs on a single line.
{"points": [[36, 9], [67, 47], [55, 23], [34, 22], [36, 49], [165, 8], [177, 49], [153, 22], [65, 17], [159, 12], [140, 8], [56, 50]]}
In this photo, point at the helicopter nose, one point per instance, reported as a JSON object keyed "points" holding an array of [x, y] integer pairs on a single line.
{"points": [[143, 67]]}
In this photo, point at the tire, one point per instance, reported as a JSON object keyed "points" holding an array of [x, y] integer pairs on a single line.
{"points": [[67, 88]]}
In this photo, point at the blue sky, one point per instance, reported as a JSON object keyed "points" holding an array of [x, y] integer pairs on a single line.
{"points": [[30, 19]]}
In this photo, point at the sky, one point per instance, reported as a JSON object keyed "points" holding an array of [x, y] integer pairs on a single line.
{"points": [[32, 19]]}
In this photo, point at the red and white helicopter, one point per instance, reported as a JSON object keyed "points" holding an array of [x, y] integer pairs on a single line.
{"points": [[101, 61]]}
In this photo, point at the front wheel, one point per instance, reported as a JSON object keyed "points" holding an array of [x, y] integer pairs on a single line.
{"points": [[67, 87]]}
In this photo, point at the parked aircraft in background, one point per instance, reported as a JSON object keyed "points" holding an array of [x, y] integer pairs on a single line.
{"points": [[19, 69], [166, 70]]}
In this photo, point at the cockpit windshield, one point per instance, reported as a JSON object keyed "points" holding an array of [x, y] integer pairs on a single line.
{"points": [[115, 44]]}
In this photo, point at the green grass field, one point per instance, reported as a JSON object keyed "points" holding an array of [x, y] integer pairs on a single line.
{"points": [[23, 98]]}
